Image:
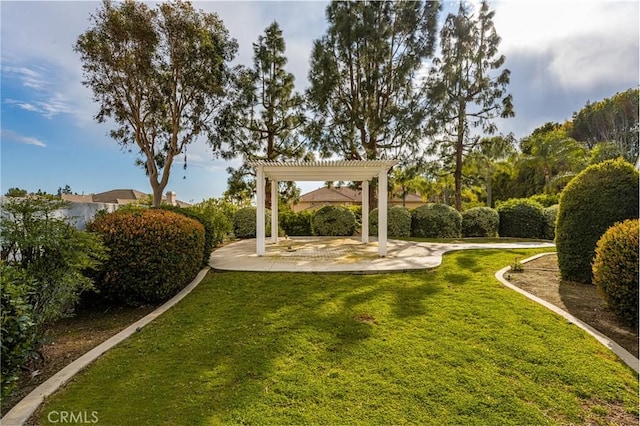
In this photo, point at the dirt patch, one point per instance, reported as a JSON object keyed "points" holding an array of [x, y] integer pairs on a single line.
{"points": [[541, 277], [69, 339]]}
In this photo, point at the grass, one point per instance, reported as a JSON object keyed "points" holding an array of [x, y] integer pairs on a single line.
{"points": [[472, 240], [447, 346]]}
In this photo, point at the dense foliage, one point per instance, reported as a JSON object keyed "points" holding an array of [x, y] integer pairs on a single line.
{"points": [[16, 320], [153, 254], [436, 221], [600, 196], [161, 74], [295, 224], [220, 213], [480, 222], [52, 253], [333, 221], [550, 217], [521, 218], [398, 222], [209, 230], [244, 222], [615, 270]]}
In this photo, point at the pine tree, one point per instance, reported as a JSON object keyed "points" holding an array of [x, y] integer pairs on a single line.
{"points": [[264, 121], [466, 88], [362, 74]]}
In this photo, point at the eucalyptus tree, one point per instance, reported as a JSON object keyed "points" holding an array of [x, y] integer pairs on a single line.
{"points": [[265, 119], [363, 75], [161, 74], [466, 87]]}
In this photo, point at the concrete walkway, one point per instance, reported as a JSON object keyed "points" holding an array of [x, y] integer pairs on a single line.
{"points": [[341, 254]]}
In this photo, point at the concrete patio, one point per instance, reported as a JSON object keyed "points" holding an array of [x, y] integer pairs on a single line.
{"points": [[342, 254]]}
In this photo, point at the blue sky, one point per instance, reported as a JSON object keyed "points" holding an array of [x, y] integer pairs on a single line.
{"points": [[560, 53]]}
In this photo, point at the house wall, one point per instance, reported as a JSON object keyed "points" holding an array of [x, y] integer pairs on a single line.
{"points": [[306, 205]]}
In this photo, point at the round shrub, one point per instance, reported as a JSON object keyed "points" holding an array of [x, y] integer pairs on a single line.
{"points": [[480, 222], [153, 254], [615, 270], [398, 222], [333, 221], [550, 215], [545, 200], [209, 230], [434, 220], [593, 201], [521, 218], [296, 224], [244, 223]]}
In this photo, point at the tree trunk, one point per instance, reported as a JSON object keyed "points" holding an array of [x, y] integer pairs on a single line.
{"points": [[158, 189], [459, 148]]}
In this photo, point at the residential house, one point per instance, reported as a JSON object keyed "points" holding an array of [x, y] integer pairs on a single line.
{"points": [[344, 196], [122, 197]]}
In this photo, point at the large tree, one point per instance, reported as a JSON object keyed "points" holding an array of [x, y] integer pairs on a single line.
{"points": [[160, 74], [363, 74], [264, 120], [612, 119], [466, 87]]}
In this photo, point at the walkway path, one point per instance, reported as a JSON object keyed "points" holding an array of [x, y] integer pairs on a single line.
{"points": [[341, 254]]}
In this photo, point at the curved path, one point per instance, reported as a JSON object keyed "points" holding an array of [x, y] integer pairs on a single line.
{"points": [[341, 254]]}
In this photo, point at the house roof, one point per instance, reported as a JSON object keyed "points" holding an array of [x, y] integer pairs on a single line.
{"points": [[115, 196], [346, 194], [325, 194]]}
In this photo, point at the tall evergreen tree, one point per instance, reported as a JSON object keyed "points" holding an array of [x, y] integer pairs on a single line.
{"points": [[466, 88], [264, 121], [362, 74]]}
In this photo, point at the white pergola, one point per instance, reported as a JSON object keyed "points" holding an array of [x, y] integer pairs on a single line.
{"points": [[354, 171]]}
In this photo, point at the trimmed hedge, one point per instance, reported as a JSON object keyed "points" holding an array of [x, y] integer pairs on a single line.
{"points": [[296, 224], [434, 220], [333, 221], [593, 201], [521, 218], [550, 215], [209, 229], [244, 223], [398, 222], [615, 270], [480, 222], [545, 200], [153, 254]]}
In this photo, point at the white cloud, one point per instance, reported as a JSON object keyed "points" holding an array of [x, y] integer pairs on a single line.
{"points": [[588, 42], [10, 135]]}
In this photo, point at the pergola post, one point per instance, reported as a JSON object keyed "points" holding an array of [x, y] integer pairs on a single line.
{"points": [[382, 213], [274, 211], [260, 213], [365, 211]]}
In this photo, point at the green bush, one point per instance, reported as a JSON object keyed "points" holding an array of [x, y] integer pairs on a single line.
{"points": [[545, 200], [480, 222], [296, 224], [209, 230], [18, 328], [357, 212], [398, 222], [521, 218], [333, 221], [593, 201], [615, 270], [55, 255], [244, 223], [220, 213], [153, 254], [550, 215], [436, 221]]}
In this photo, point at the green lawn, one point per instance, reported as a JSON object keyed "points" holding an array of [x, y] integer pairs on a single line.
{"points": [[447, 346]]}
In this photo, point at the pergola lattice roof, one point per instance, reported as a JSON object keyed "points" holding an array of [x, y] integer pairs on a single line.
{"points": [[323, 170]]}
